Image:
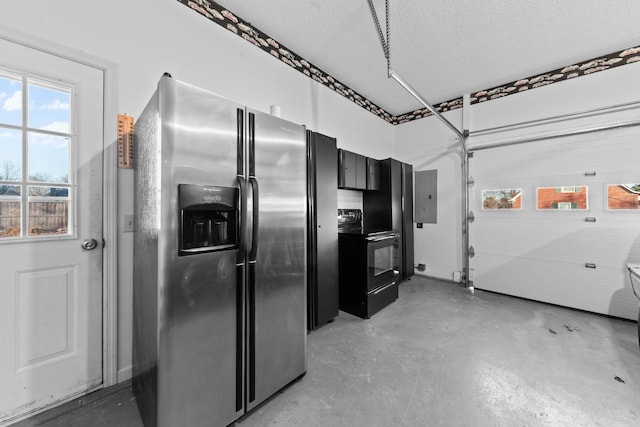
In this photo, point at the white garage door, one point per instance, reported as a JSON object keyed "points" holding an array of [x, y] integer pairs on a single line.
{"points": [[557, 220]]}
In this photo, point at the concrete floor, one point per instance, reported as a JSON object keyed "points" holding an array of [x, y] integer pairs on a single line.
{"points": [[440, 356]]}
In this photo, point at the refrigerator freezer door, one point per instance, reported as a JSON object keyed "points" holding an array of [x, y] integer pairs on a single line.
{"points": [[277, 295], [199, 317]]}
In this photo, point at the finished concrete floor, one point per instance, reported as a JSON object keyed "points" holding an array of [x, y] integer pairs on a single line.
{"points": [[441, 356]]}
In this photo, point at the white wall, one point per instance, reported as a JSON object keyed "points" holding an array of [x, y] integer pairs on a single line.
{"points": [[145, 38], [428, 144]]}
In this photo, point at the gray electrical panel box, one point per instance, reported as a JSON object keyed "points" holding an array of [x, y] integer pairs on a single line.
{"points": [[426, 189]]}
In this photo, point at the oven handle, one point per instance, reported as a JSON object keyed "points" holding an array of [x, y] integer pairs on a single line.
{"points": [[381, 238]]}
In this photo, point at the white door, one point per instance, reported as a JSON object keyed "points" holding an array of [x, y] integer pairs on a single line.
{"points": [[557, 220], [51, 114]]}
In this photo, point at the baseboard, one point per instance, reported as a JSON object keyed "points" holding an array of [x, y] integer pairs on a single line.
{"points": [[125, 373]]}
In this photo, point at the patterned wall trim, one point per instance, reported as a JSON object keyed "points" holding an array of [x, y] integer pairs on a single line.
{"points": [[585, 68], [226, 19]]}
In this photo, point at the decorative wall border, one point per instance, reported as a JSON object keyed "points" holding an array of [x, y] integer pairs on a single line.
{"points": [[226, 19]]}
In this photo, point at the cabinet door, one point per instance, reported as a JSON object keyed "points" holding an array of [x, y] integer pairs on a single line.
{"points": [[352, 170], [323, 231], [361, 172], [407, 220], [346, 169], [396, 206], [373, 174]]}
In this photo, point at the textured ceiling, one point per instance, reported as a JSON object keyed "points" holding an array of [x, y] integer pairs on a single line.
{"points": [[443, 48]]}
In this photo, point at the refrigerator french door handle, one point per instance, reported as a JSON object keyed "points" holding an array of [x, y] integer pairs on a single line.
{"points": [[251, 333], [242, 208], [252, 145], [251, 288], [255, 193], [240, 313], [240, 259], [240, 141], [251, 327]]}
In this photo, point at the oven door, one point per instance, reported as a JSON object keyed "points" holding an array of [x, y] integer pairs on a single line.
{"points": [[382, 259]]}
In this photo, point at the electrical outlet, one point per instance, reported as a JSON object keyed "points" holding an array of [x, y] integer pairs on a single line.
{"points": [[457, 277], [127, 223]]}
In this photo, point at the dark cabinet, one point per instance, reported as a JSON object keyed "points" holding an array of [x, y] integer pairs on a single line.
{"points": [[407, 221], [391, 208], [373, 174], [352, 170], [322, 234]]}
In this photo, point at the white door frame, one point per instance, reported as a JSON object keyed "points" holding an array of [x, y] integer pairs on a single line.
{"points": [[109, 195]]}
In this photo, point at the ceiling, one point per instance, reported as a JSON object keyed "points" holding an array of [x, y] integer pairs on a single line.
{"points": [[443, 48]]}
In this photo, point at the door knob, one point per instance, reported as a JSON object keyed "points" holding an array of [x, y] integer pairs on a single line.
{"points": [[89, 244]]}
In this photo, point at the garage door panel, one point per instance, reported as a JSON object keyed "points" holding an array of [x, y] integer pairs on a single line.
{"points": [[604, 290], [607, 245]]}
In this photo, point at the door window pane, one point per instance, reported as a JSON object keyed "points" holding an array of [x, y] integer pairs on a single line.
{"points": [[10, 155], [502, 199], [49, 109], [48, 158], [36, 150], [10, 214], [48, 210], [623, 196], [10, 100], [562, 198]]}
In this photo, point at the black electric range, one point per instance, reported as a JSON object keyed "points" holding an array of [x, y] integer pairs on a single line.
{"points": [[368, 266]]}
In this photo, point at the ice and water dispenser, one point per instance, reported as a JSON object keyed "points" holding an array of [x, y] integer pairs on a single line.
{"points": [[209, 218]]}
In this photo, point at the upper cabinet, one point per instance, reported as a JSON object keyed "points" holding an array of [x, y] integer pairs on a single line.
{"points": [[357, 172], [352, 170], [373, 174]]}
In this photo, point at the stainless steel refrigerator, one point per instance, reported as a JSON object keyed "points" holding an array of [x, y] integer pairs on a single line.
{"points": [[219, 257]]}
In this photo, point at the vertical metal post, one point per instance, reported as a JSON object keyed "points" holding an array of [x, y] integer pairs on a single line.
{"points": [[466, 104], [465, 209]]}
